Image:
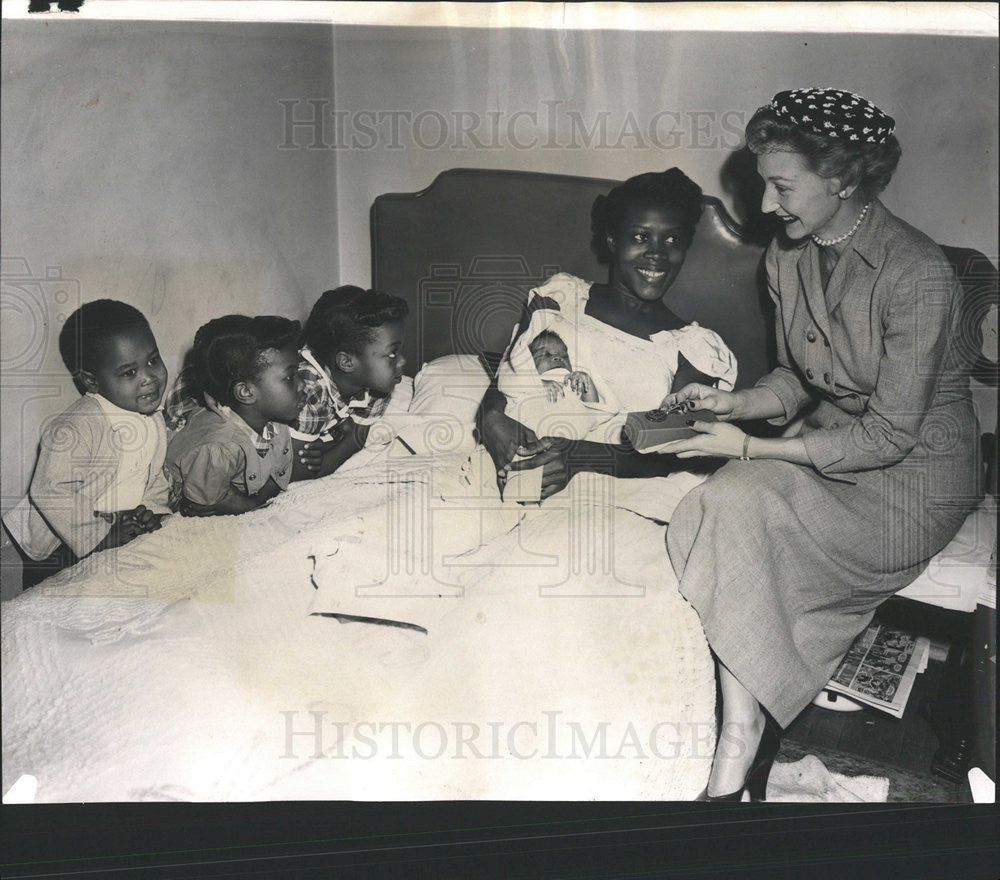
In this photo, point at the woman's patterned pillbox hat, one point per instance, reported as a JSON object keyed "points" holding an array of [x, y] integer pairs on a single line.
{"points": [[835, 113]]}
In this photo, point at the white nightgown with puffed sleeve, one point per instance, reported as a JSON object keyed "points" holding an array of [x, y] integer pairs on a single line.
{"points": [[630, 373]]}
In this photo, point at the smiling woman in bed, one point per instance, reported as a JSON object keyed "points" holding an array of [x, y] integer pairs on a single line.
{"points": [[637, 346]]}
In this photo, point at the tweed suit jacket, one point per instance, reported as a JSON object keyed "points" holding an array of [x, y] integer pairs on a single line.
{"points": [[875, 364]]}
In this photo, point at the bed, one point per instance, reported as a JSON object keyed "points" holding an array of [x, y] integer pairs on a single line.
{"points": [[535, 652], [521, 652]]}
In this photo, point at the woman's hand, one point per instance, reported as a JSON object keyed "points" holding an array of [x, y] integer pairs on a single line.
{"points": [[549, 453], [714, 439], [504, 438], [723, 403], [507, 439]]}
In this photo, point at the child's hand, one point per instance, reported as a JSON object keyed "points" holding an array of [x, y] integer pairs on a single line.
{"points": [[121, 533], [582, 384], [143, 517], [126, 525], [192, 508], [311, 455], [234, 502], [123, 529], [553, 390]]}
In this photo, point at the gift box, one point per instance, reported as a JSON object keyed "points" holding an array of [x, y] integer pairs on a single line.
{"points": [[645, 430]]}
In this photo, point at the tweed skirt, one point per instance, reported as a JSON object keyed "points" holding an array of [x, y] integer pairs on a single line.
{"points": [[786, 567]]}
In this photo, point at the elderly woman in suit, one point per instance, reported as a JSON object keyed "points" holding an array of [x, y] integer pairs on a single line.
{"points": [[787, 550]]}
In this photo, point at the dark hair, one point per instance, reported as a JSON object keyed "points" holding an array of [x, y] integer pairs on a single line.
{"points": [[671, 188], [543, 335], [345, 319], [93, 325], [869, 166], [231, 349]]}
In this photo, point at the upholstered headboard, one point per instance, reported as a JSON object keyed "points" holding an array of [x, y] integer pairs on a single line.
{"points": [[465, 252]]}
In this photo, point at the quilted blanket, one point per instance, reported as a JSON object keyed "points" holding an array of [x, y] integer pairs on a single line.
{"points": [[222, 659]]}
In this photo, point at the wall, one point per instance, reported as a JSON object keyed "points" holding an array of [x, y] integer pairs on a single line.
{"points": [[941, 90], [141, 162], [616, 103]]}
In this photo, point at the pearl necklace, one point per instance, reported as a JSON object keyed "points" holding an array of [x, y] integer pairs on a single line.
{"points": [[828, 242]]}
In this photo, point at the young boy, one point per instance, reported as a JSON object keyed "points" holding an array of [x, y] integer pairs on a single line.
{"points": [[238, 456], [99, 480], [351, 360]]}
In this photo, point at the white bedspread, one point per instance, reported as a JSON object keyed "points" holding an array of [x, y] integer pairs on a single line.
{"points": [[561, 664]]}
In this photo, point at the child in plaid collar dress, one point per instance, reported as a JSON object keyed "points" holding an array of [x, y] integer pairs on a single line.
{"points": [[351, 360]]}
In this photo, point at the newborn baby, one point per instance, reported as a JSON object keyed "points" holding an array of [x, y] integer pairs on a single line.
{"points": [[549, 352], [534, 378]]}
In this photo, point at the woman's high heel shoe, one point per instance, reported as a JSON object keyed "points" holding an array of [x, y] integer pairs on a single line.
{"points": [[760, 769]]}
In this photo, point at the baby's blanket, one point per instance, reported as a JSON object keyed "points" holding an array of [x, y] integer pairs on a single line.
{"points": [[632, 374], [528, 400]]}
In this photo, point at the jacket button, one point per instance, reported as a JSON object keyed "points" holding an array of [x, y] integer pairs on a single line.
{"points": [[826, 378], [811, 336], [809, 374]]}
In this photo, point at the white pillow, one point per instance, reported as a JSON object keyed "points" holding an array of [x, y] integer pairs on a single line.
{"points": [[441, 416], [454, 384]]}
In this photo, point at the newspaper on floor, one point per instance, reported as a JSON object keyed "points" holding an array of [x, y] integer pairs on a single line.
{"points": [[880, 668]]}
